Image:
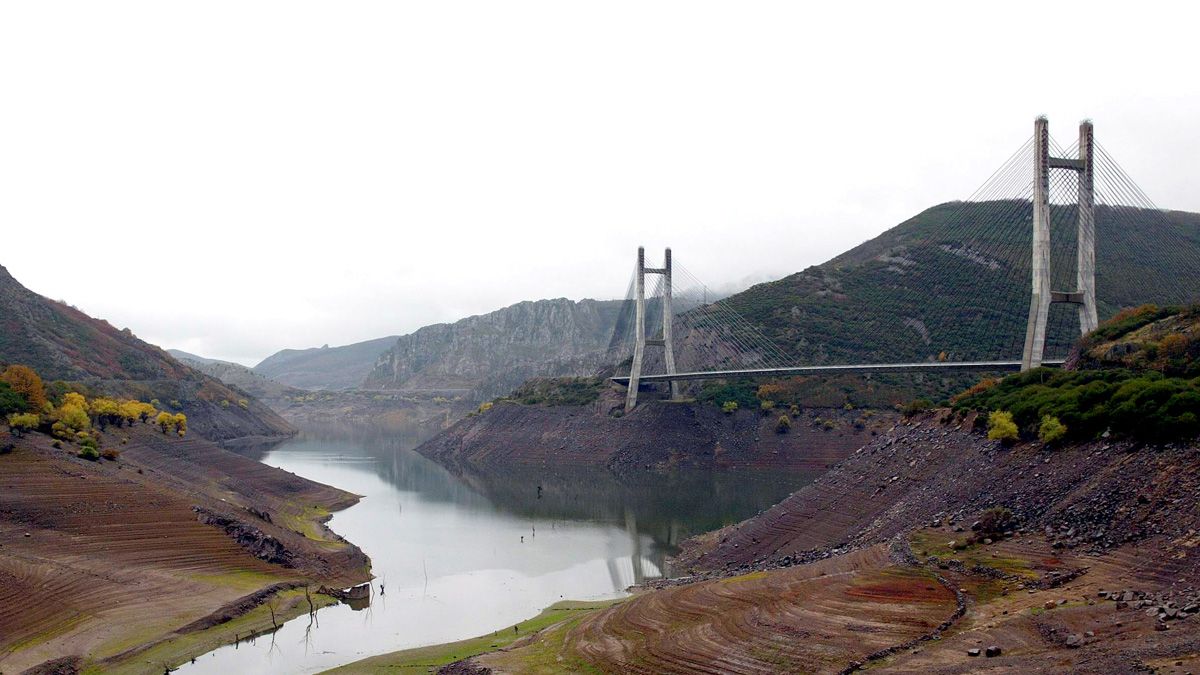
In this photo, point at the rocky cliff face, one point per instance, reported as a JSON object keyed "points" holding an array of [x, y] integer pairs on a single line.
{"points": [[485, 356]]}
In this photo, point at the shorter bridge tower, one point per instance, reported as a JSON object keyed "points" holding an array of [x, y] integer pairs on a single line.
{"points": [[1084, 295], [640, 342]]}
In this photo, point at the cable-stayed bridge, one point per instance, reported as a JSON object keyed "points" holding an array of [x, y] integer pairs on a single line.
{"points": [[1055, 240]]}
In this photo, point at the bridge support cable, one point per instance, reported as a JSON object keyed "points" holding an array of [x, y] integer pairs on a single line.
{"points": [[955, 285]]}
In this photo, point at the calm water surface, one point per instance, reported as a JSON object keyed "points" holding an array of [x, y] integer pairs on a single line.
{"points": [[464, 555]]}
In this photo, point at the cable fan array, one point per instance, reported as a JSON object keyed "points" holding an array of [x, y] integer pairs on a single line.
{"points": [[950, 284]]}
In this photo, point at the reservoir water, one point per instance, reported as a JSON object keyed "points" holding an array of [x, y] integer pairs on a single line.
{"points": [[463, 555]]}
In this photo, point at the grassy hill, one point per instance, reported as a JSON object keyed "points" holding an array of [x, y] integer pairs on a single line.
{"points": [[923, 288], [62, 343]]}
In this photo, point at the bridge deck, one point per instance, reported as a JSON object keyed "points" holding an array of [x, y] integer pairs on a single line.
{"points": [[835, 370]]}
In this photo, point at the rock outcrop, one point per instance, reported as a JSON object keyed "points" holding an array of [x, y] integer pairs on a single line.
{"points": [[489, 355]]}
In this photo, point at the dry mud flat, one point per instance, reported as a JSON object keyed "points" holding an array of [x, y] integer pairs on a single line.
{"points": [[910, 606], [101, 559]]}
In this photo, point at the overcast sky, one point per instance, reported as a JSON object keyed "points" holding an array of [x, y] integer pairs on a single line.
{"points": [[233, 178]]}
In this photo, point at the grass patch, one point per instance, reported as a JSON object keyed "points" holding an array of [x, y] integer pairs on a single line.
{"points": [[744, 577], [535, 657], [181, 648], [926, 543]]}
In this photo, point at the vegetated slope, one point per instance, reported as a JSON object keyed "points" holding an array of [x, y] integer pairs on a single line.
{"points": [[489, 355], [325, 367], [62, 343], [925, 287]]}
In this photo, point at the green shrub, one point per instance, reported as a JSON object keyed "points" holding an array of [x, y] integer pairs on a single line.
{"points": [[1051, 429], [918, 406], [89, 453], [11, 401], [995, 520], [783, 425], [767, 407], [1001, 427], [20, 423], [729, 407], [742, 392]]}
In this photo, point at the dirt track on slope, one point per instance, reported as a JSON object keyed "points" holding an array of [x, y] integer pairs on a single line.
{"points": [[115, 557]]}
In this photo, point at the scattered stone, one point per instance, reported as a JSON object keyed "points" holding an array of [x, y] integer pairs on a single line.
{"points": [[992, 651], [1074, 641], [1159, 625], [987, 540], [1062, 601], [1090, 633], [974, 651]]}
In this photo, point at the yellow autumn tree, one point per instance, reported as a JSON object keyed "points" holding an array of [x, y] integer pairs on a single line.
{"points": [[165, 420], [26, 382], [76, 399]]}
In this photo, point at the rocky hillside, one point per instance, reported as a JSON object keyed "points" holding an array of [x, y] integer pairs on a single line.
{"points": [[489, 355], [62, 343], [921, 289], [1122, 466], [235, 374], [656, 436], [324, 367]]}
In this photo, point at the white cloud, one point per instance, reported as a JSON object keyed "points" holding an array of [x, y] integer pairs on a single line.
{"points": [[241, 177]]}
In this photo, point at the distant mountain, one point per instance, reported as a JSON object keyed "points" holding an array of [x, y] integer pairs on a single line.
{"points": [[325, 367], [256, 384], [489, 355], [193, 359], [62, 343], [943, 282]]}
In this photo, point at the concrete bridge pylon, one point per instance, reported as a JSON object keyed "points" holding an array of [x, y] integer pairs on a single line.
{"points": [[1084, 295], [640, 342]]}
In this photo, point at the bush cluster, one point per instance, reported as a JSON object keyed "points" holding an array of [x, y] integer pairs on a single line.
{"points": [[566, 391], [1085, 404]]}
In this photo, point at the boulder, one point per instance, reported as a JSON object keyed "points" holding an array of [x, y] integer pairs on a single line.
{"points": [[992, 651]]}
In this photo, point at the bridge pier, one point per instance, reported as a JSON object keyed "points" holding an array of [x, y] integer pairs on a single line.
{"points": [[640, 342], [1042, 296]]}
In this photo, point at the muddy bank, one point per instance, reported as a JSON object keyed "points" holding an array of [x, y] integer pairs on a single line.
{"points": [[1094, 496], [100, 557], [657, 436]]}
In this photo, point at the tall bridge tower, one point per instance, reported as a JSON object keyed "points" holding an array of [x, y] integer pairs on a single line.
{"points": [[640, 342], [1084, 295]]}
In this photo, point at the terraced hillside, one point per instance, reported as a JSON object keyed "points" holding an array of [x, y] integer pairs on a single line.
{"points": [[123, 565]]}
